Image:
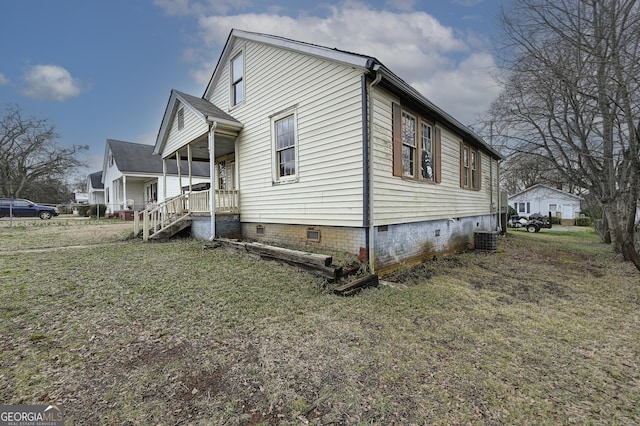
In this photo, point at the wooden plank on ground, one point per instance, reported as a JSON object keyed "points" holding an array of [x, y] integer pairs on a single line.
{"points": [[352, 287], [289, 255], [330, 272], [226, 243], [318, 264]]}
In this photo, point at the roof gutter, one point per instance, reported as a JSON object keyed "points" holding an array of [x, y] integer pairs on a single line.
{"points": [[444, 117]]}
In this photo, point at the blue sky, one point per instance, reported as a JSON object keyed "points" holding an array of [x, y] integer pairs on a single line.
{"points": [[103, 69]]}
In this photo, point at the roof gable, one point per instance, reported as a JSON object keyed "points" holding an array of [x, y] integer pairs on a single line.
{"points": [[369, 65], [548, 189], [332, 54], [201, 108]]}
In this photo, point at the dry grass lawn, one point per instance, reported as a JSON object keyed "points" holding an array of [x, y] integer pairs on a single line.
{"points": [[546, 331]]}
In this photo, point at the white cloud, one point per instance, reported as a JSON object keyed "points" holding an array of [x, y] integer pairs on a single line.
{"points": [[3, 80], [464, 92], [50, 82], [443, 64]]}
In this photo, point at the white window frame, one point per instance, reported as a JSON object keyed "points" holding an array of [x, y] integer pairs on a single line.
{"points": [[232, 82], [275, 166], [429, 153], [469, 167], [412, 149], [181, 118]]}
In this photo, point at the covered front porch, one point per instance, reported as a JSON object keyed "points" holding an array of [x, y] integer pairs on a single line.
{"points": [[131, 193], [195, 130]]}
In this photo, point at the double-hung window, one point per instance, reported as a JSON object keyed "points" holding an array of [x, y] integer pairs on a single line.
{"points": [[408, 145], [285, 147], [416, 146], [470, 161], [426, 153], [237, 79]]}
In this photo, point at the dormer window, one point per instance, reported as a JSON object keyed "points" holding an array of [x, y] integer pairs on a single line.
{"points": [[181, 119], [237, 79]]}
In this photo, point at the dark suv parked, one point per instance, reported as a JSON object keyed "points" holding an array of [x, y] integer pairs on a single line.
{"points": [[20, 207]]}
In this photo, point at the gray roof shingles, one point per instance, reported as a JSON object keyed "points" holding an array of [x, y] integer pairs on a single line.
{"points": [[139, 158], [96, 180], [206, 108]]}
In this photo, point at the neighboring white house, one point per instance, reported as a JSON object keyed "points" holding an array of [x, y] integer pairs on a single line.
{"points": [[544, 200], [81, 197], [133, 177], [327, 148], [95, 188]]}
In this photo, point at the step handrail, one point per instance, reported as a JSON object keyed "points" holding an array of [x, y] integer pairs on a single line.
{"points": [[161, 216]]}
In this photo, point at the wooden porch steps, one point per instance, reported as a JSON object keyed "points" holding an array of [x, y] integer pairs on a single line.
{"points": [[171, 230]]}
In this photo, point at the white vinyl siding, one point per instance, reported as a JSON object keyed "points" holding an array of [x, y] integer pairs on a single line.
{"points": [[327, 99], [194, 127], [399, 200]]}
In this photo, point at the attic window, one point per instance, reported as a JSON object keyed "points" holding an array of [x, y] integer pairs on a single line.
{"points": [[237, 79], [181, 119]]}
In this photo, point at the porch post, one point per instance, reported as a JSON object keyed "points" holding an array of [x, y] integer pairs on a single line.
{"points": [[236, 175], [190, 160], [179, 172], [124, 191], [212, 173], [164, 180]]}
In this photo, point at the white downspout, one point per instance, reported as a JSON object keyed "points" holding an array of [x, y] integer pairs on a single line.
{"points": [[372, 255], [212, 174], [491, 204]]}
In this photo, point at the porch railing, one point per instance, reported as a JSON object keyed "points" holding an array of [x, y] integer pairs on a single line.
{"points": [[226, 201], [163, 215]]}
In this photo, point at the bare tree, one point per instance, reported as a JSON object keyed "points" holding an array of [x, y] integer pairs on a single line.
{"points": [[520, 172], [571, 95], [29, 156]]}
